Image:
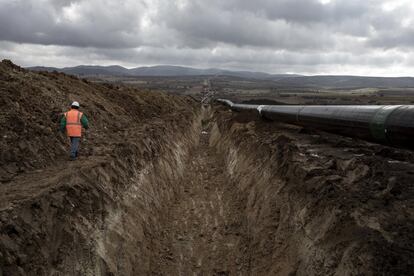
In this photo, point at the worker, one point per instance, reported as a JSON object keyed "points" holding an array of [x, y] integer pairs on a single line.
{"points": [[73, 121]]}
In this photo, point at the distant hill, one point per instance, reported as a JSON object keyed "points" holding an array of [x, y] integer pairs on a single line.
{"points": [[346, 82], [169, 70], [279, 80], [87, 70], [160, 70]]}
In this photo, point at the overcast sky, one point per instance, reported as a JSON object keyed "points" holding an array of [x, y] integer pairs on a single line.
{"points": [[357, 37]]}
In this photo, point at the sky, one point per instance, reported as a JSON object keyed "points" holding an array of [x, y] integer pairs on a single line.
{"points": [[312, 37]]}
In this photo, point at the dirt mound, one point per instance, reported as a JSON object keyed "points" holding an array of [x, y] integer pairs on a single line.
{"points": [[318, 204], [164, 187], [65, 218], [262, 101], [32, 104]]}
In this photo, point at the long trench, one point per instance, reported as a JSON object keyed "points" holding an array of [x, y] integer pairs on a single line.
{"points": [[203, 229]]}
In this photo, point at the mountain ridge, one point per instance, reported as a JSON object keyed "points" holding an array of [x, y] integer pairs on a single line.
{"points": [[157, 70], [280, 80]]}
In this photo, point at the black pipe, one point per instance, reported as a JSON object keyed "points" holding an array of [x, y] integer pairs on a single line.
{"points": [[385, 124]]}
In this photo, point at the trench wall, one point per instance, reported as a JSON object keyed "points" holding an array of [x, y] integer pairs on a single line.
{"points": [[305, 207], [101, 216], [306, 213]]}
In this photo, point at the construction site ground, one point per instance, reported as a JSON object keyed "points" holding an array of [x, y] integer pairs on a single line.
{"points": [[167, 186]]}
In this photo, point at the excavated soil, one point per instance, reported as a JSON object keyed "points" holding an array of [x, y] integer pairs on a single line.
{"points": [[317, 203], [166, 187], [99, 215], [203, 228]]}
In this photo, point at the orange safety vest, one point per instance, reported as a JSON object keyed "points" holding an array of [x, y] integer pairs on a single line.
{"points": [[73, 123]]}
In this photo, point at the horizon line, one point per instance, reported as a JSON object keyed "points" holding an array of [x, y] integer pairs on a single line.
{"points": [[225, 69]]}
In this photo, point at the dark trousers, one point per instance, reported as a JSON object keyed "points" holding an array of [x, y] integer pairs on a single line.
{"points": [[74, 146]]}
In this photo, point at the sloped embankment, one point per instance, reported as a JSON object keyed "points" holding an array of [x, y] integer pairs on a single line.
{"points": [[164, 188], [101, 214], [317, 204]]}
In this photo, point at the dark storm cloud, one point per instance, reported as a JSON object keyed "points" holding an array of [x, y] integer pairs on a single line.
{"points": [[208, 29], [58, 4], [72, 23], [302, 10], [284, 24], [296, 34], [404, 38]]}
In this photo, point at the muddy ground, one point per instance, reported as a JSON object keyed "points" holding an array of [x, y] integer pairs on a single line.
{"points": [[167, 187]]}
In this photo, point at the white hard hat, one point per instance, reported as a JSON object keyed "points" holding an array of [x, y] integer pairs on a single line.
{"points": [[75, 104]]}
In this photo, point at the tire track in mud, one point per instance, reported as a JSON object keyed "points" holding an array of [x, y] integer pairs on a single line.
{"points": [[203, 230]]}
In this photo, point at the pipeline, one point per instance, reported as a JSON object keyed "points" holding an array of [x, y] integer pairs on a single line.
{"points": [[386, 124]]}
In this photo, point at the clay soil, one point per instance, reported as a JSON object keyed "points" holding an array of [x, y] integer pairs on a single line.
{"points": [[165, 186], [315, 203], [203, 230]]}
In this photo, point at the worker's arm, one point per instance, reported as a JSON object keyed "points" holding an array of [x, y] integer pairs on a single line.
{"points": [[84, 121], [62, 123]]}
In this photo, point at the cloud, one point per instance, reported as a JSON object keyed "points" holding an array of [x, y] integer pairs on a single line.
{"points": [[105, 24], [271, 35]]}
